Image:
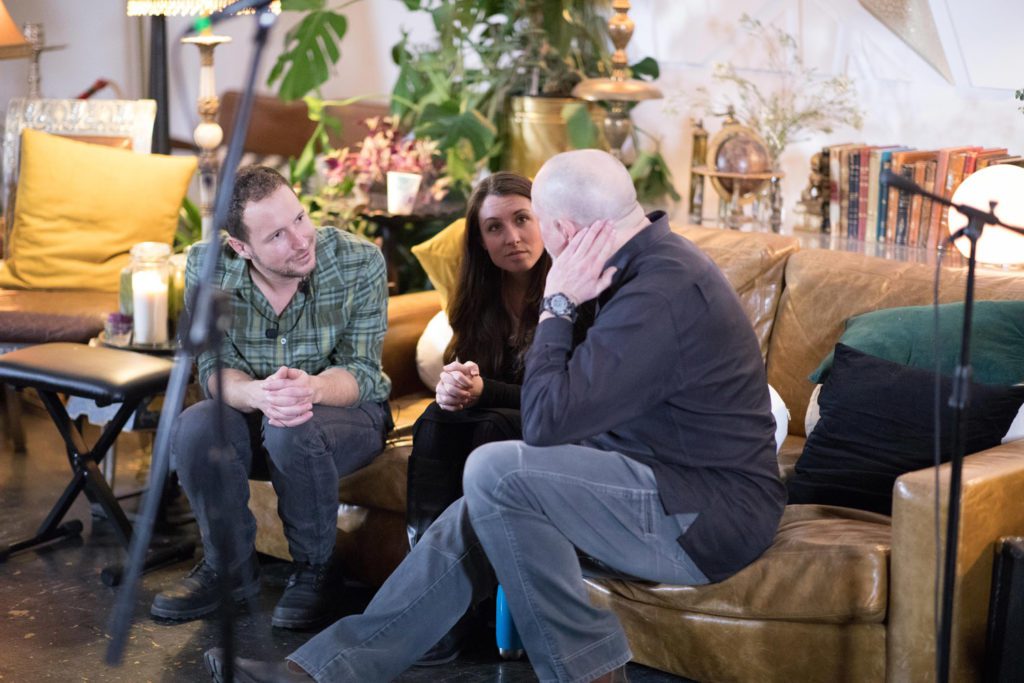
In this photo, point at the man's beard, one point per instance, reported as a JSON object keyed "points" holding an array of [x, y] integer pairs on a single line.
{"points": [[286, 272]]}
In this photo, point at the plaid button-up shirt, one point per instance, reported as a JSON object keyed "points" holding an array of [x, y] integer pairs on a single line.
{"points": [[338, 320]]}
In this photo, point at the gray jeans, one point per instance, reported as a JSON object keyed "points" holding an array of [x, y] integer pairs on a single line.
{"points": [[526, 512], [304, 464]]}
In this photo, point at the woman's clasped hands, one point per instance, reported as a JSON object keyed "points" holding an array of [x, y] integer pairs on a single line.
{"points": [[460, 386]]}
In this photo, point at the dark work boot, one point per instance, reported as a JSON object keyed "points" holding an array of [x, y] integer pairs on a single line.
{"points": [[308, 599], [432, 485], [199, 592]]}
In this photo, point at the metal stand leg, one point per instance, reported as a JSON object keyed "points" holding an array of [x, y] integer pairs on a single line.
{"points": [[87, 478]]}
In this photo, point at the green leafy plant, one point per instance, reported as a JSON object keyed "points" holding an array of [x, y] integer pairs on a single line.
{"points": [[802, 100], [1019, 94], [311, 48], [190, 225]]}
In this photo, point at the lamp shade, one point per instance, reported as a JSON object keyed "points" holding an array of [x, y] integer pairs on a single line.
{"points": [[1004, 184], [173, 8], [12, 41]]}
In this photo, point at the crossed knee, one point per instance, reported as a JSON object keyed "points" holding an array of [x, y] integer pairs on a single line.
{"points": [[487, 468]]}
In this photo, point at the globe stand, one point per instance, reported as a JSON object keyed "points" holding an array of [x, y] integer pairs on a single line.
{"points": [[731, 201]]}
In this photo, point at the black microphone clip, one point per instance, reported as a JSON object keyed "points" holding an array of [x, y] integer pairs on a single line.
{"points": [[271, 333]]}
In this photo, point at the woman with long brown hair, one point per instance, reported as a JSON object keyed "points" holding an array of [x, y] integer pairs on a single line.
{"points": [[493, 314]]}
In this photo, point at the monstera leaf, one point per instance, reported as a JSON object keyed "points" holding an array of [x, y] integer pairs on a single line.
{"points": [[310, 49]]}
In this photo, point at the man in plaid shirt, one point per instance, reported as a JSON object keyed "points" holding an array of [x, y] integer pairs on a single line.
{"points": [[305, 397]]}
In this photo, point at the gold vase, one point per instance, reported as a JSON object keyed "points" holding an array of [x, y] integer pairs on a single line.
{"points": [[537, 131]]}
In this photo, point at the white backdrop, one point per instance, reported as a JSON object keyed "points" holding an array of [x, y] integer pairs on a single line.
{"points": [[905, 99]]}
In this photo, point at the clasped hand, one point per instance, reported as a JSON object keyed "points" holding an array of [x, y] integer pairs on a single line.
{"points": [[579, 271], [286, 397], [459, 387]]}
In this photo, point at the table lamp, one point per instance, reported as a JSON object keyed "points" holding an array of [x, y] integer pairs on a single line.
{"points": [[159, 10], [15, 44], [619, 90]]}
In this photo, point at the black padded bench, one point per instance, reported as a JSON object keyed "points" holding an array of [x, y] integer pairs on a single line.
{"points": [[103, 375]]}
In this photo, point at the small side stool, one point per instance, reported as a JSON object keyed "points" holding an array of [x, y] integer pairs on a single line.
{"points": [[105, 376]]}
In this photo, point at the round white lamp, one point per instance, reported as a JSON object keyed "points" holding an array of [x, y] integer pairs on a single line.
{"points": [[1004, 184]]}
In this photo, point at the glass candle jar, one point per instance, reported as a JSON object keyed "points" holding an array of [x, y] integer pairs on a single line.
{"points": [[150, 275], [176, 288]]}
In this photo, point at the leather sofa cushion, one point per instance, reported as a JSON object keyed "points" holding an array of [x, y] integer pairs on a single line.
{"points": [[825, 288], [753, 263], [826, 564], [382, 483], [37, 316], [408, 314]]}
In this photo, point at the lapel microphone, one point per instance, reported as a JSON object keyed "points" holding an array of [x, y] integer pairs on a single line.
{"points": [[271, 333]]}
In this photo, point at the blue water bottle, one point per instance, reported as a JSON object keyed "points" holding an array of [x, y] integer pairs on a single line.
{"points": [[509, 644]]}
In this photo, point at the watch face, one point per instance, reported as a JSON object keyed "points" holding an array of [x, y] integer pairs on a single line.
{"points": [[560, 305]]}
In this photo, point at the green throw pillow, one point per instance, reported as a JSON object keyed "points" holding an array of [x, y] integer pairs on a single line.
{"points": [[904, 335]]}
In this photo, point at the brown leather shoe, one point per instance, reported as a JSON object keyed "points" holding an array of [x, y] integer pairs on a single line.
{"points": [[613, 676], [253, 671]]}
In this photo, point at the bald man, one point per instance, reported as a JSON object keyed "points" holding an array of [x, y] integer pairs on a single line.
{"points": [[648, 450]]}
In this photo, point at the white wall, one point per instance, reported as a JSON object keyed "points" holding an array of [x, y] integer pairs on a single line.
{"points": [[905, 99]]}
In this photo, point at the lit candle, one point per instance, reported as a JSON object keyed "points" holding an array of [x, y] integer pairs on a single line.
{"points": [[149, 299]]}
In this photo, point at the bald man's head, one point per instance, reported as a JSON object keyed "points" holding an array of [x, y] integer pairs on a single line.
{"points": [[581, 187]]}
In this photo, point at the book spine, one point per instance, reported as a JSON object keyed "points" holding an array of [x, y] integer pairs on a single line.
{"points": [[853, 205], [903, 207], [928, 206], [825, 167], [862, 203], [833, 190], [883, 197]]}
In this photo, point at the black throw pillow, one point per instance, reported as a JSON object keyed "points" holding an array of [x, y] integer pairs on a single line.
{"points": [[876, 424]]}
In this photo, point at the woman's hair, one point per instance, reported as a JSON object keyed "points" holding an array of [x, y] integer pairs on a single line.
{"points": [[483, 329]]}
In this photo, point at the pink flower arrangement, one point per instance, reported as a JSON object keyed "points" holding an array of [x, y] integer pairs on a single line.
{"points": [[385, 149]]}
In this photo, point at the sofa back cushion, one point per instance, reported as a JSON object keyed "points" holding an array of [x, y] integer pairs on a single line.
{"points": [[753, 263], [824, 288], [408, 314]]}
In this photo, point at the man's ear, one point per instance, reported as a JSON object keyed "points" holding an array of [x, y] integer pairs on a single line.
{"points": [[567, 229], [239, 246]]}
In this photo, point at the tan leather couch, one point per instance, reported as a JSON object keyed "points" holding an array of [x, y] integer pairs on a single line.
{"points": [[841, 595]]}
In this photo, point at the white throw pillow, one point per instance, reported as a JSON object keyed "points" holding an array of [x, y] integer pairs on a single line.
{"points": [[1014, 433], [781, 414], [430, 350]]}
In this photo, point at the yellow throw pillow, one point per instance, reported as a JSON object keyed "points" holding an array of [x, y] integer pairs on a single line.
{"points": [[441, 258], [80, 207]]}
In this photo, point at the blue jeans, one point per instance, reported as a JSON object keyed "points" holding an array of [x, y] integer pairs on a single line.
{"points": [[526, 512], [304, 464]]}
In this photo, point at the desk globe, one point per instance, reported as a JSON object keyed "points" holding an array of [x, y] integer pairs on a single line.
{"points": [[740, 161]]}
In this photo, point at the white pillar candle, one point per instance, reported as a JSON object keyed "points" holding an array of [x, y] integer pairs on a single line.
{"points": [[149, 299]]}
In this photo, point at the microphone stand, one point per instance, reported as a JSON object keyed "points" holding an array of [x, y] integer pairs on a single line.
{"points": [[203, 334], [959, 399]]}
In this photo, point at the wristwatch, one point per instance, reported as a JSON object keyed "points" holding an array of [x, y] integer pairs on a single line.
{"points": [[560, 306]]}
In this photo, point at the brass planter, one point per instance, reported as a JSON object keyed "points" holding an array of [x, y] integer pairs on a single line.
{"points": [[537, 131]]}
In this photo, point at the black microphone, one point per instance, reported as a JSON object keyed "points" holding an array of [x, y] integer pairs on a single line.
{"points": [[271, 333], [228, 12], [901, 182], [304, 285]]}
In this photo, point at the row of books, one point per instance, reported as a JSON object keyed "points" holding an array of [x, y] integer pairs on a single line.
{"points": [[863, 207]]}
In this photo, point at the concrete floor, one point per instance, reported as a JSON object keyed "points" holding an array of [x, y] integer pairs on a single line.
{"points": [[54, 610]]}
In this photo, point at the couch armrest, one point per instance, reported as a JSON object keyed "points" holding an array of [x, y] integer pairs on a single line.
{"points": [[992, 506]]}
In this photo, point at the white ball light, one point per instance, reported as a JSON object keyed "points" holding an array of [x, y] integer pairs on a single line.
{"points": [[1002, 183], [210, 135]]}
